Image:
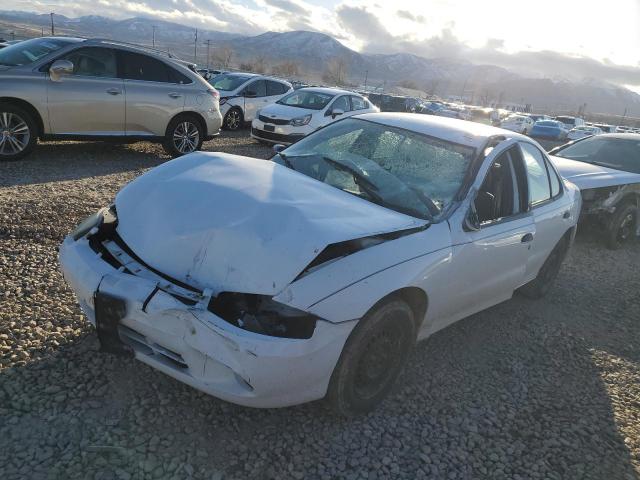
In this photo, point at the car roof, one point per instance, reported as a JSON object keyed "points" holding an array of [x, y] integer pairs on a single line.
{"points": [[628, 136], [329, 90], [450, 129]]}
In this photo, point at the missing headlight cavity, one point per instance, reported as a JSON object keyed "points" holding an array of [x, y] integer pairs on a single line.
{"points": [[342, 249], [261, 314]]}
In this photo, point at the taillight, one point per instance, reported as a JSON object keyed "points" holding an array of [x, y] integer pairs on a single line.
{"points": [[214, 93]]}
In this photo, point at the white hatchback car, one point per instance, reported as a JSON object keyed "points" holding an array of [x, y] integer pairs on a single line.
{"points": [[518, 123], [275, 283], [243, 94], [583, 131], [304, 111]]}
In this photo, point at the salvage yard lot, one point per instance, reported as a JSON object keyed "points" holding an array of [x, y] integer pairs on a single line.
{"points": [[526, 389]]}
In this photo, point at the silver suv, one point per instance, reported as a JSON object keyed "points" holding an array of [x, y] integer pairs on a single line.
{"points": [[77, 89]]}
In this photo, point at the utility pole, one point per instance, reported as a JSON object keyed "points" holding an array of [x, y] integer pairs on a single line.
{"points": [[366, 74], [195, 48], [208, 42], [154, 35], [53, 30], [42, 35], [13, 36]]}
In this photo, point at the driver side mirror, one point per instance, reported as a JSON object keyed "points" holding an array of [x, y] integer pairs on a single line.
{"points": [[336, 111], [59, 68]]}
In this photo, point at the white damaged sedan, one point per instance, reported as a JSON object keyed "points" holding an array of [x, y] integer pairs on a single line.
{"points": [[272, 283]]}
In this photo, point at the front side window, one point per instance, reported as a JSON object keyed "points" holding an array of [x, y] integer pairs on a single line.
{"points": [[393, 167], [359, 103], [611, 152], [257, 88], [142, 67], [306, 99], [341, 103], [28, 51], [536, 174], [93, 62], [500, 193]]}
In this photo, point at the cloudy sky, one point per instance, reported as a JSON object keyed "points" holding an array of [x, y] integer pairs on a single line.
{"points": [[592, 38]]}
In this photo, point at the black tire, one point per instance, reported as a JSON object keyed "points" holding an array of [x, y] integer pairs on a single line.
{"points": [[18, 132], [233, 120], [372, 358], [184, 135], [540, 286], [622, 226]]}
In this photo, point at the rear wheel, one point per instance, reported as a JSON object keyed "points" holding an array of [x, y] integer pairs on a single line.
{"points": [[18, 132], [184, 135], [623, 226], [538, 287], [372, 358]]}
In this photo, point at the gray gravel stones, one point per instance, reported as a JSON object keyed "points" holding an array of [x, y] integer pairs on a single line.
{"points": [[544, 389]]}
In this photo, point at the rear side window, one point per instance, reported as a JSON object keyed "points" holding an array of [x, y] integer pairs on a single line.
{"points": [[275, 88], [134, 66], [341, 103], [259, 88], [359, 103], [178, 77], [536, 174], [93, 62]]}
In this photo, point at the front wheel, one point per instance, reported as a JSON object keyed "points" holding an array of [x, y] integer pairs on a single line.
{"points": [[622, 227], [372, 358], [18, 132], [233, 120], [184, 135]]}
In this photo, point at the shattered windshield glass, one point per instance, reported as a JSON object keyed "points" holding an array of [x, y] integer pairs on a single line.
{"points": [[396, 168]]}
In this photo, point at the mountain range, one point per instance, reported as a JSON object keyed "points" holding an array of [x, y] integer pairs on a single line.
{"points": [[313, 53]]}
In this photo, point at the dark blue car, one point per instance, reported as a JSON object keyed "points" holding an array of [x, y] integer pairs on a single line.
{"points": [[549, 129]]}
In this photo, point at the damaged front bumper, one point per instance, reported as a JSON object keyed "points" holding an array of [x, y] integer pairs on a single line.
{"points": [[188, 342], [600, 204]]}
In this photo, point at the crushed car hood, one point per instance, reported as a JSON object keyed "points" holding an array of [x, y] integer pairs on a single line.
{"points": [[231, 223], [585, 175]]}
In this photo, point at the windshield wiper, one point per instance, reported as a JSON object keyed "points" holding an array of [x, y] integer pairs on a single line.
{"points": [[9, 64], [286, 160]]}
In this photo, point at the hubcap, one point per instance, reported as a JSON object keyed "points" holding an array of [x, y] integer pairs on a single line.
{"points": [[625, 231], [233, 120], [186, 137], [14, 134], [378, 363]]}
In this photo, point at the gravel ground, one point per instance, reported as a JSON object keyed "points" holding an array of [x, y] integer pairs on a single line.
{"points": [[544, 389]]}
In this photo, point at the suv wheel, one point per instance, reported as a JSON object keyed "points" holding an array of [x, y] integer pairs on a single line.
{"points": [[184, 135], [18, 132], [233, 120]]}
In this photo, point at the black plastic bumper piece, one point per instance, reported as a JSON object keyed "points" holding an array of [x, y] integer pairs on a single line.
{"points": [[109, 311]]}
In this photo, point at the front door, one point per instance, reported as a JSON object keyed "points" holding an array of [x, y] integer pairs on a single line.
{"points": [[90, 101], [255, 98], [489, 262]]}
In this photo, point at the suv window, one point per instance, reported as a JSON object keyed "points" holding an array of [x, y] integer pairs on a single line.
{"points": [[341, 103], [259, 87], [93, 62], [275, 88], [178, 77], [134, 66], [537, 175], [359, 103]]}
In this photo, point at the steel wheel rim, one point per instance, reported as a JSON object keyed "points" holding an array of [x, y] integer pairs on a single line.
{"points": [[14, 134], [378, 362], [233, 120], [186, 137], [625, 230]]}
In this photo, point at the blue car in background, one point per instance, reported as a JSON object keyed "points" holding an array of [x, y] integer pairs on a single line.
{"points": [[551, 129]]}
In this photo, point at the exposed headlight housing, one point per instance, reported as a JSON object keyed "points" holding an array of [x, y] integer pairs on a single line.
{"points": [[261, 314], [300, 121], [104, 216]]}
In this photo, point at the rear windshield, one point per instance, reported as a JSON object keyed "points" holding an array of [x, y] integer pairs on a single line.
{"points": [[24, 53], [228, 82], [547, 123], [306, 99], [611, 152]]}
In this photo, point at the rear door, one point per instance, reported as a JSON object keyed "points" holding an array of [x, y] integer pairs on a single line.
{"points": [[91, 101], [152, 96], [275, 91]]}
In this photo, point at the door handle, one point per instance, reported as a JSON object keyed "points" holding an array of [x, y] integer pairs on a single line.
{"points": [[175, 95], [114, 91], [566, 214], [527, 238]]}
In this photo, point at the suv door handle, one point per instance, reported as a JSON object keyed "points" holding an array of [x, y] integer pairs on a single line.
{"points": [[527, 238], [114, 91], [175, 95]]}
